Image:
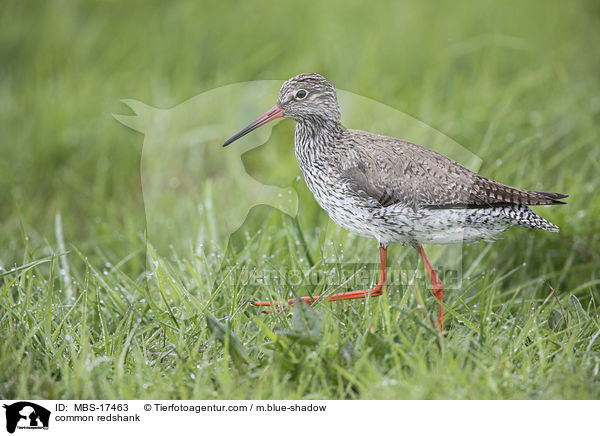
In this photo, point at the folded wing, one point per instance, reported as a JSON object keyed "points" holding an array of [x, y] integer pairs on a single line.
{"points": [[408, 174]]}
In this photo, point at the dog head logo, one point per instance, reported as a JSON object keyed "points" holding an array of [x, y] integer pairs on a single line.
{"points": [[26, 415], [212, 189]]}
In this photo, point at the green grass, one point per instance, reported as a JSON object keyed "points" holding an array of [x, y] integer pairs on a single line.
{"points": [[82, 317]]}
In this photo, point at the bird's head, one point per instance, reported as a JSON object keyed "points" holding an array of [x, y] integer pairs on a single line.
{"points": [[307, 97]]}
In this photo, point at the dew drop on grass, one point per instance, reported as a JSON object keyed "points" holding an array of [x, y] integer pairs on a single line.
{"points": [[389, 382]]}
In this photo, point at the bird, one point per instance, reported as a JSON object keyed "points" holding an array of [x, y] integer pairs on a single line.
{"points": [[392, 190]]}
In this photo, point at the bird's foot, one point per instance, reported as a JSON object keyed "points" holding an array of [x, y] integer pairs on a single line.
{"points": [[291, 301], [375, 292], [351, 295], [438, 292]]}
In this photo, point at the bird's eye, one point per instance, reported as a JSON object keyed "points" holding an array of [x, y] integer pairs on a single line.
{"points": [[300, 94]]}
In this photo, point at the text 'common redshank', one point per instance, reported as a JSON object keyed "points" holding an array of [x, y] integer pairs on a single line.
{"points": [[390, 189]]}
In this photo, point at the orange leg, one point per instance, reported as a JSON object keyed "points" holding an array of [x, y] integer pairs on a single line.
{"points": [[375, 292], [436, 286]]}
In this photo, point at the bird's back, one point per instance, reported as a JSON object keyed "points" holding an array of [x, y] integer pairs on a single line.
{"points": [[392, 170]]}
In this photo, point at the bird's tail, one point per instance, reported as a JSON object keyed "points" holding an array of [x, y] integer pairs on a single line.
{"points": [[525, 217], [548, 198]]}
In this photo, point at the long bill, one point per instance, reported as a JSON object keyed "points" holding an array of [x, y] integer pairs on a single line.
{"points": [[273, 113]]}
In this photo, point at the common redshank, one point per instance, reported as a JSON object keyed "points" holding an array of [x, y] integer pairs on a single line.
{"points": [[392, 190]]}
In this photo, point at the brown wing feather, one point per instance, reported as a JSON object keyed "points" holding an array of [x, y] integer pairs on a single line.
{"points": [[487, 192], [390, 171]]}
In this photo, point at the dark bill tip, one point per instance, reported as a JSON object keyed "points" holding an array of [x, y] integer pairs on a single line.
{"points": [[273, 113]]}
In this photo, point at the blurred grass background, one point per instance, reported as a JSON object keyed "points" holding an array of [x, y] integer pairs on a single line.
{"points": [[514, 82], [486, 75]]}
